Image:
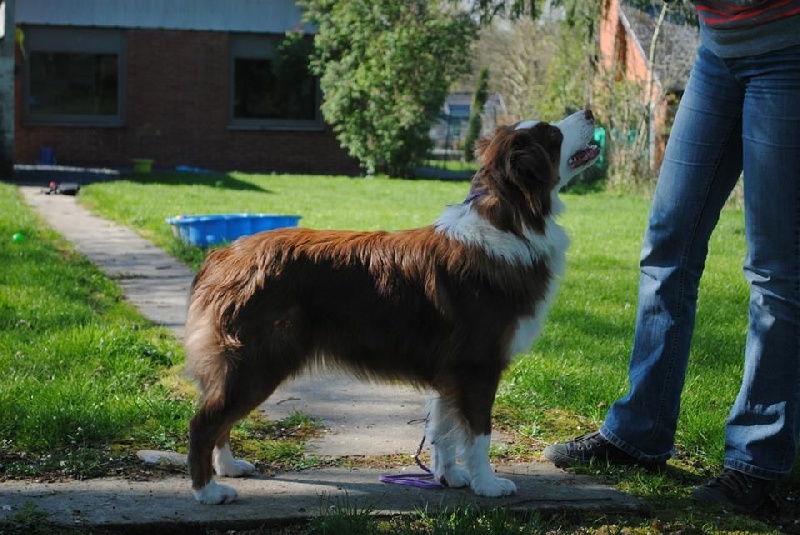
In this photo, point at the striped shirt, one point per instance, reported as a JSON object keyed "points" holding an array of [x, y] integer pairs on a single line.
{"points": [[735, 28]]}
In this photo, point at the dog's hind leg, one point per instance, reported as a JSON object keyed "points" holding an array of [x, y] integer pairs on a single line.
{"points": [[205, 429], [209, 432], [476, 397], [445, 431]]}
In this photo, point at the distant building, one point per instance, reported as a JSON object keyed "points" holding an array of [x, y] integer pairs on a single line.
{"points": [[198, 83], [450, 130], [625, 36]]}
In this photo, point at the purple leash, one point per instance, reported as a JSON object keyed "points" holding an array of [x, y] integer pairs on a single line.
{"points": [[422, 480]]}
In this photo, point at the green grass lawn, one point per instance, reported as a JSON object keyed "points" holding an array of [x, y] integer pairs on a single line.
{"points": [[80, 369], [64, 326]]}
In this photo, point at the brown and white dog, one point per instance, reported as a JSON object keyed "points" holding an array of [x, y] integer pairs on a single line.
{"points": [[443, 307]]}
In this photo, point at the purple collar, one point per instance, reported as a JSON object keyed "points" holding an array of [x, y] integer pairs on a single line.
{"points": [[474, 192]]}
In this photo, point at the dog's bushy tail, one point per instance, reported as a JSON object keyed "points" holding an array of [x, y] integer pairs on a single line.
{"points": [[210, 342]]}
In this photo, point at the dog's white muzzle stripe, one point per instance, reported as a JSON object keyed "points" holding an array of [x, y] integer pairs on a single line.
{"points": [[526, 124]]}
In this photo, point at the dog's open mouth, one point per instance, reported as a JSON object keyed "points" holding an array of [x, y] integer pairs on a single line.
{"points": [[583, 157]]}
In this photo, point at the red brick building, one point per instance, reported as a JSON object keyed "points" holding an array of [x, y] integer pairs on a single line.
{"points": [[197, 83], [625, 37]]}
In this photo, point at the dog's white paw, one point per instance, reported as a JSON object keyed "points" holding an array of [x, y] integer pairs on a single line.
{"points": [[226, 465], [234, 468], [454, 477], [214, 494], [493, 486]]}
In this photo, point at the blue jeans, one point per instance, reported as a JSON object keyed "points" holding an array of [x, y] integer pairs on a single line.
{"points": [[737, 116]]}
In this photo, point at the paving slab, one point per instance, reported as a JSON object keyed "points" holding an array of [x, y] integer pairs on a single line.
{"points": [[359, 418], [115, 503]]}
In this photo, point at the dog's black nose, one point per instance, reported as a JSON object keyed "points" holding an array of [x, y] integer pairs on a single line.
{"points": [[589, 115]]}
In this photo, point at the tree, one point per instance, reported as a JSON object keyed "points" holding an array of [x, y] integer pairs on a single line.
{"points": [[385, 68], [519, 52], [475, 123], [546, 67], [569, 77], [680, 11], [486, 10]]}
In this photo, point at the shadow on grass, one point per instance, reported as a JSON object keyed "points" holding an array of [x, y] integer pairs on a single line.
{"points": [[43, 175], [216, 180]]}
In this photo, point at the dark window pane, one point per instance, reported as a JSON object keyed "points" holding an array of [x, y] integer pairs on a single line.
{"points": [[267, 89], [253, 84], [65, 83]]}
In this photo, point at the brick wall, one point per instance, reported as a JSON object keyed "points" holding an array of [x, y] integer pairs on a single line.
{"points": [[619, 51], [621, 55], [177, 113], [609, 25]]}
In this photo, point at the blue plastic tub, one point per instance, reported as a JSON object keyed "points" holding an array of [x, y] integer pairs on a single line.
{"points": [[213, 229], [260, 224], [239, 225]]}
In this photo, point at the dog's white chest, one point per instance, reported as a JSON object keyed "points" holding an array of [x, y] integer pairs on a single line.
{"points": [[529, 327], [464, 224]]}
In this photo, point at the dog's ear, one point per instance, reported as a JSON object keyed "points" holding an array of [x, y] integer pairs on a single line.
{"points": [[520, 173], [530, 166], [528, 157]]}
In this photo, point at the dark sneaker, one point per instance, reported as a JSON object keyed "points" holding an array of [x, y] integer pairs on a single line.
{"points": [[592, 447], [737, 490]]}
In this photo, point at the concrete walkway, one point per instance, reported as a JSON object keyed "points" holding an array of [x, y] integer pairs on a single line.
{"points": [[165, 504], [361, 420]]}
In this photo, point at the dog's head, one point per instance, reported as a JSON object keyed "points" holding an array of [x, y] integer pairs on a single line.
{"points": [[576, 153], [522, 166]]}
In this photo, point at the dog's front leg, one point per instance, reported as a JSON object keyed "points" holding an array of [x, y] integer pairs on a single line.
{"points": [[445, 431], [477, 397], [484, 481]]}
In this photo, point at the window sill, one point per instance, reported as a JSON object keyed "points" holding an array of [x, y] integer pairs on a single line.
{"points": [[116, 123], [300, 126]]}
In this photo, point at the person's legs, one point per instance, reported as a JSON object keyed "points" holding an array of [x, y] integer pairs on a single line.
{"points": [[703, 160], [761, 434], [702, 163], [709, 143]]}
